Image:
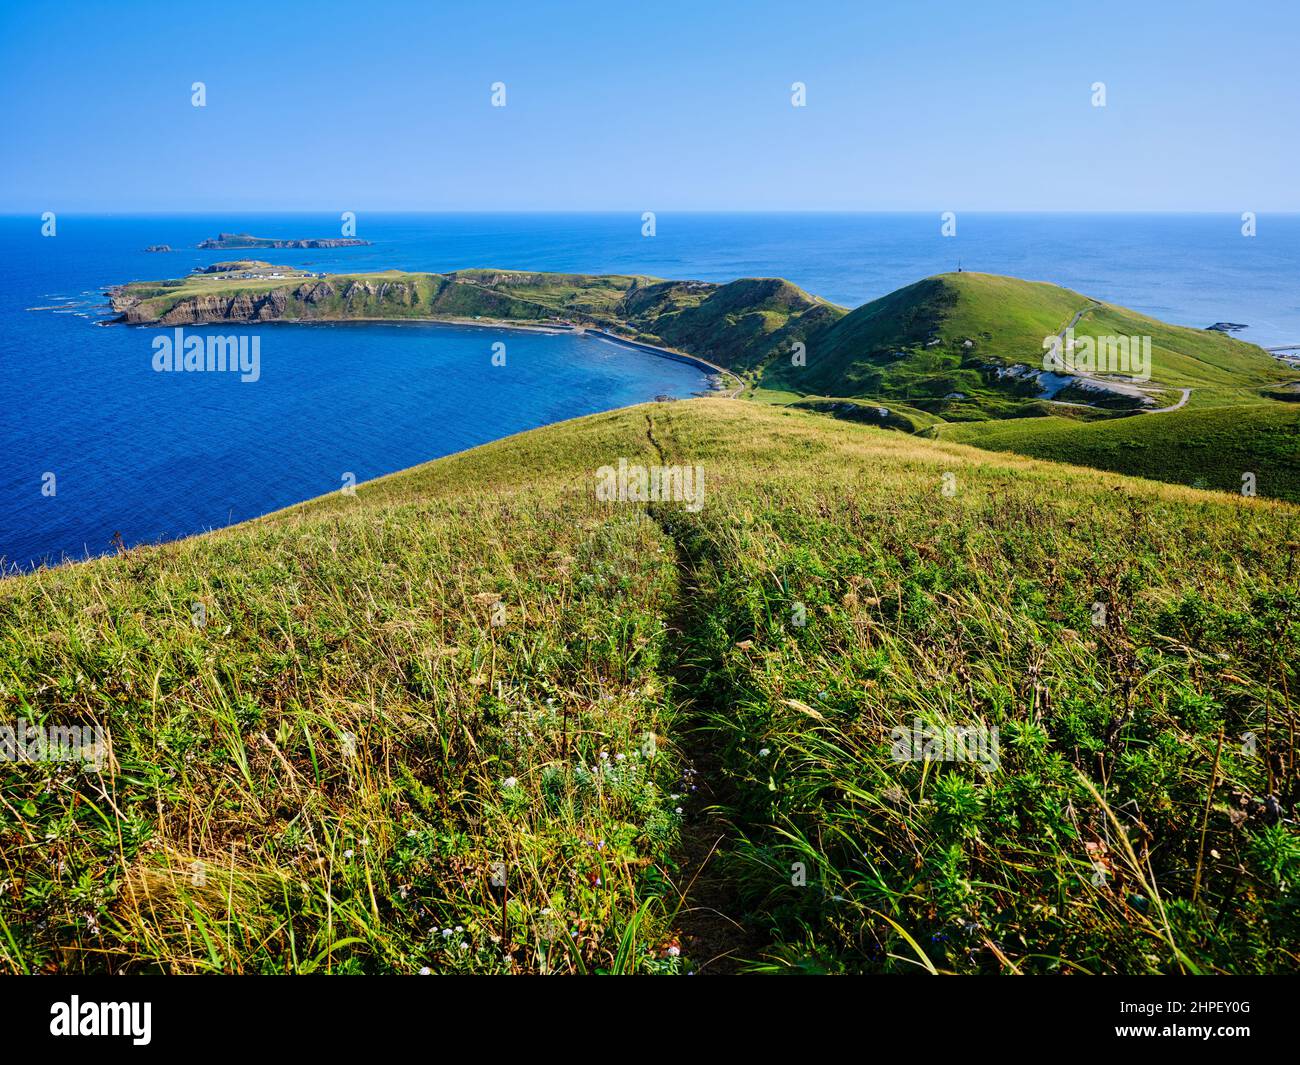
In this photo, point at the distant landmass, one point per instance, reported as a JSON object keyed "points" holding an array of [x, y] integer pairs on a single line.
{"points": [[159, 247], [247, 240]]}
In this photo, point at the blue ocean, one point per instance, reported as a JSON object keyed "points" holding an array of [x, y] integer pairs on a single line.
{"points": [[144, 456]]}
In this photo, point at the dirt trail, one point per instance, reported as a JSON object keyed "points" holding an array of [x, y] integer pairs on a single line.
{"points": [[709, 922]]}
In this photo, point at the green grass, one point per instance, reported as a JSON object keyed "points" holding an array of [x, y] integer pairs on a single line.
{"points": [[327, 774], [1208, 448], [913, 342], [885, 415], [938, 343], [1181, 357]]}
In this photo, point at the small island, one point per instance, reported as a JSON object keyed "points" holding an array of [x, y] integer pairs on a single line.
{"points": [[224, 241], [159, 247]]}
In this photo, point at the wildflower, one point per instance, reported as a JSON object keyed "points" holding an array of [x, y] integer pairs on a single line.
{"points": [[509, 782], [764, 753], [619, 757], [446, 933], [673, 952], [679, 810], [347, 854], [425, 970]]}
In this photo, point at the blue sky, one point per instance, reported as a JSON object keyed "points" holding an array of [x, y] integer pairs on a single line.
{"points": [[662, 106]]}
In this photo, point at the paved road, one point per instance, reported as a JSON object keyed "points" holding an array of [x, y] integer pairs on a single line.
{"points": [[1181, 403]]}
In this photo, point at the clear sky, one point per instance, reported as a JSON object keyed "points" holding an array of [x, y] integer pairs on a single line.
{"points": [[911, 105]]}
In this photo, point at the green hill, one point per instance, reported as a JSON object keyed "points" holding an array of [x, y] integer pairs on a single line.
{"points": [[473, 718], [945, 345], [1001, 317]]}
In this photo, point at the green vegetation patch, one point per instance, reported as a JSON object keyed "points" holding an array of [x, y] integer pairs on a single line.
{"points": [[456, 721]]}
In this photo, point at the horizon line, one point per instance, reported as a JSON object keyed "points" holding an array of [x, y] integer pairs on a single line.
{"points": [[8, 213]]}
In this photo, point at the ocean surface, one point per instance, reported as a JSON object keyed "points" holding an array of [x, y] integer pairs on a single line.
{"points": [[154, 456]]}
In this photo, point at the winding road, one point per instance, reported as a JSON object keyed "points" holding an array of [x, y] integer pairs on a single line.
{"points": [[1182, 401]]}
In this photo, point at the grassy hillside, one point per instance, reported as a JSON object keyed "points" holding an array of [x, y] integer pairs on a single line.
{"points": [[473, 719], [889, 341], [1206, 448], [940, 344], [743, 325], [895, 416]]}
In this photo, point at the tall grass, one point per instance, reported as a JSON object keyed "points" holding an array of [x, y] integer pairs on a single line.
{"points": [[446, 724]]}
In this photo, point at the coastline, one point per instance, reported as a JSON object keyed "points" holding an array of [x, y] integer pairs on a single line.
{"points": [[678, 356], [711, 369]]}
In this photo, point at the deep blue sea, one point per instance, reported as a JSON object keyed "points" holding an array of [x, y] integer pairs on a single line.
{"points": [[155, 456]]}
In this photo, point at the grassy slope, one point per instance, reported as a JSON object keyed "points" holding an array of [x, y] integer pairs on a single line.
{"points": [[882, 350], [743, 325], [885, 349], [1206, 447], [333, 746], [1182, 357], [894, 416]]}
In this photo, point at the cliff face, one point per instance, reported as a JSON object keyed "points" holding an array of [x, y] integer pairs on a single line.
{"points": [[312, 300], [195, 310]]}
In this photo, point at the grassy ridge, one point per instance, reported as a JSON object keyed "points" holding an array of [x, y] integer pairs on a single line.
{"points": [[353, 751]]}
